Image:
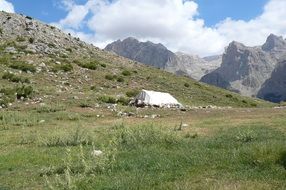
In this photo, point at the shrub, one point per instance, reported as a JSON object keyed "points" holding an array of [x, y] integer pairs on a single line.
{"points": [[244, 101], [228, 96], [107, 99], [20, 39], [126, 73], [69, 49], [110, 77], [253, 104], [24, 92], [51, 45], [31, 40], [28, 17], [120, 79], [93, 88], [23, 67], [90, 65], [1, 31], [282, 159], [13, 78], [132, 93], [187, 85], [123, 101], [63, 67], [103, 65]]}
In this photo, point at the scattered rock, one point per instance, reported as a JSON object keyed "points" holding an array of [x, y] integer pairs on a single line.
{"points": [[96, 153]]}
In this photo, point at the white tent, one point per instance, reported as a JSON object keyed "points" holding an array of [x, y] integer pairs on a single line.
{"points": [[152, 98]]}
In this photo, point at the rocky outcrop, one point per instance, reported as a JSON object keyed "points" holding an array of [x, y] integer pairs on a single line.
{"points": [[27, 34], [274, 89], [246, 69], [158, 56]]}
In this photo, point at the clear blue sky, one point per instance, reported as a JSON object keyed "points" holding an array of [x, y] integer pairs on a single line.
{"points": [[212, 11]]}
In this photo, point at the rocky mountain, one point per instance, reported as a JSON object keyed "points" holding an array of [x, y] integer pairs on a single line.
{"points": [[155, 55], [196, 67], [274, 88], [158, 56], [245, 69]]}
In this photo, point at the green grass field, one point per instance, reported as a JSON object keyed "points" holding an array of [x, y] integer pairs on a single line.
{"points": [[219, 149]]}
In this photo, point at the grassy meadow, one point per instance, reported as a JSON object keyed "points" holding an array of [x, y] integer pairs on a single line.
{"points": [[51, 148]]}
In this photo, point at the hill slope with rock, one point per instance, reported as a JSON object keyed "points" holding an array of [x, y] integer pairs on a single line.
{"points": [[40, 65], [246, 69]]}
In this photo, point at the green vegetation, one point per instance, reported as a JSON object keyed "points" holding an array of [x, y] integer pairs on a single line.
{"points": [[25, 67], [66, 67], [31, 40], [132, 93], [110, 77], [90, 65], [234, 149], [14, 78], [20, 39], [107, 99], [126, 73]]}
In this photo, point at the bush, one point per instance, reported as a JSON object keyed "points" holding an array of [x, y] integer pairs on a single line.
{"points": [[28, 17], [132, 93], [90, 65], [103, 65], [107, 99], [63, 67], [24, 92], [123, 101], [31, 40], [126, 73], [187, 85], [93, 88], [20, 39], [282, 159], [120, 79], [110, 77], [1, 31], [23, 67], [13, 78], [69, 49], [228, 96]]}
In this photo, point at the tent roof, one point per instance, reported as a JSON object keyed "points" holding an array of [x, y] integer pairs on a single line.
{"points": [[156, 98]]}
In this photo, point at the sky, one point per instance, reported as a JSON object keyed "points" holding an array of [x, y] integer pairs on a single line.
{"points": [[202, 27]]}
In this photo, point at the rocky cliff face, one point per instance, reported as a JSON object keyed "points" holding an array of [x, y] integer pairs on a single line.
{"points": [[245, 69], [157, 55], [197, 67], [274, 89]]}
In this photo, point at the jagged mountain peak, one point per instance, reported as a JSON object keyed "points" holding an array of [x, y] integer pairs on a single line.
{"points": [[274, 42]]}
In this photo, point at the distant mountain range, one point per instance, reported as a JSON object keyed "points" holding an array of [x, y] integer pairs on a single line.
{"points": [[159, 56], [253, 71], [250, 71]]}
